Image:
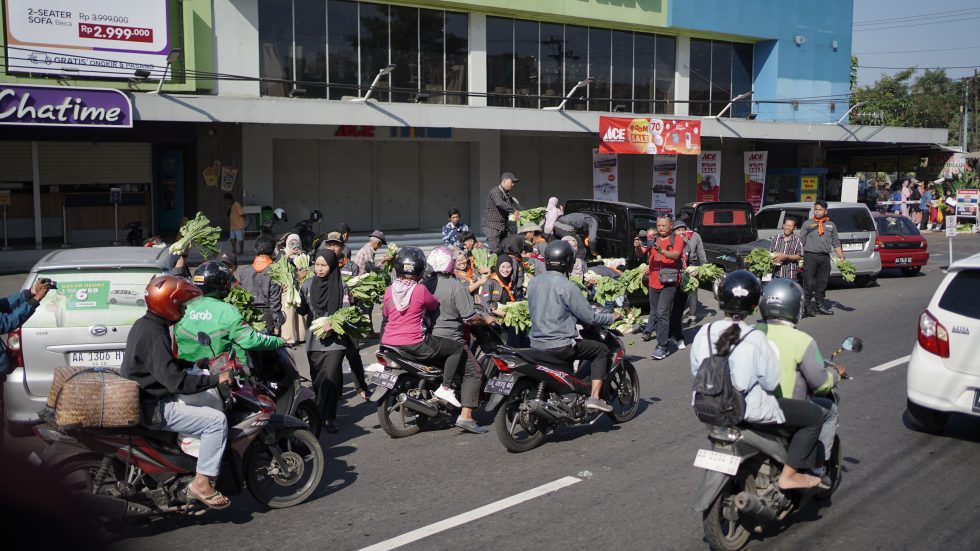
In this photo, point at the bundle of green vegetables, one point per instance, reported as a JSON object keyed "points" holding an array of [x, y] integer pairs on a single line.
{"points": [[628, 321], [530, 216], [846, 269], [581, 285], [606, 289], [635, 280], [241, 299], [389, 264], [694, 276], [345, 321], [367, 288], [483, 259], [516, 315], [283, 272], [302, 263], [759, 262], [199, 232]]}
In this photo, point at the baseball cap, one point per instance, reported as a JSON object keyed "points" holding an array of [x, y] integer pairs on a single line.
{"points": [[529, 227], [334, 237], [509, 176]]}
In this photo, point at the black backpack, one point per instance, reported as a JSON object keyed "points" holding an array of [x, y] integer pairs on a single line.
{"points": [[716, 400]]}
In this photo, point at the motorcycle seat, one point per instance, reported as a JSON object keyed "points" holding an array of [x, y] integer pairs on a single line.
{"points": [[544, 358], [397, 355], [778, 433], [161, 436]]}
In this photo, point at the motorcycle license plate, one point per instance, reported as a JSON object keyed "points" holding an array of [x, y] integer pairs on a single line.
{"points": [[903, 260], [386, 379], [499, 386], [715, 461]]}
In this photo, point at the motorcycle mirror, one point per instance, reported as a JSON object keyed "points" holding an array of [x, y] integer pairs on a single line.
{"points": [[854, 344], [203, 338]]}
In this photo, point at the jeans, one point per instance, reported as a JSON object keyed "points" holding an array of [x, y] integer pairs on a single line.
{"points": [[661, 304], [327, 371], [807, 419], [816, 274], [210, 425], [693, 305], [829, 429], [586, 349], [437, 349]]}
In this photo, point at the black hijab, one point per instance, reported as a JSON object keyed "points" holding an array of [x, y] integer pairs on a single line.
{"points": [[327, 293]]}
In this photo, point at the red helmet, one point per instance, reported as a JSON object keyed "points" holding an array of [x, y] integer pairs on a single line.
{"points": [[166, 294]]}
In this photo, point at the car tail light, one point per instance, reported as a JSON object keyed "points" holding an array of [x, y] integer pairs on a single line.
{"points": [[933, 336], [14, 348], [383, 361], [879, 244], [501, 364]]}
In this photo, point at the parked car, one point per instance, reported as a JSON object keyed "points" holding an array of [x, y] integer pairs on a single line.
{"points": [[728, 230], [618, 224], [943, 373], [900, 244], [81, 323], [855, 226]]}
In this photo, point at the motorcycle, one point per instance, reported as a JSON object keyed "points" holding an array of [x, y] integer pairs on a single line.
{"points": [[134, 235], [740, 490], [129, 473], [304, 229], [276, 372], [540, 392]]}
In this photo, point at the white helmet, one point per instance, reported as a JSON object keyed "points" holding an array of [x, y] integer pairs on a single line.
{"points": [[442, 260], [280, 214]]}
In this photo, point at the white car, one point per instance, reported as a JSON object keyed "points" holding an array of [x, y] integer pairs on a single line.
{"points": [[943, 374]]}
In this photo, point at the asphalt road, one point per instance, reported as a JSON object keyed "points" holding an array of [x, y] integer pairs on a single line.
{"points": [[633, 484]]}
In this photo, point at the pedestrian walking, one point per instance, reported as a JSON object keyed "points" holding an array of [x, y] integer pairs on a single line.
{"points": [[453, 229], [925, 206], [663, 251], [820, 239], [236, 224], [335, 242], [365, 257], [906, 193], [915, 197], [676, 331], [500, 204]]}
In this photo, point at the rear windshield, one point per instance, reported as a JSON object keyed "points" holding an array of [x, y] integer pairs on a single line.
{"points": [[894, 225], [724, 217], [109, 298], [642, 222], [852, 219], [962, 296], [768, 219]]}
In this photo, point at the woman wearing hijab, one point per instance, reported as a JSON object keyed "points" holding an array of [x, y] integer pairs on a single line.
{"points": [[580, 267], [551, 214], [469, 275], [293, 330], [321, 296], [500, 289]]}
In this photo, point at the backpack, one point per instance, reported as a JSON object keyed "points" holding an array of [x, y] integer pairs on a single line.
{"points": [[716, 400]]}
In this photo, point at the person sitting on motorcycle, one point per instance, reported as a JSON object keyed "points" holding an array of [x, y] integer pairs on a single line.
{"points": [[555, 303], [456, 307], [404, 308], [149, 360], [754, 367], [804, 375], [220, 320]]}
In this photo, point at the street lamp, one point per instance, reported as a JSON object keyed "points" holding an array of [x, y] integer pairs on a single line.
{"points": [[851, 110], [731, 103], [384, 71], [561, 106], [172, 58]]}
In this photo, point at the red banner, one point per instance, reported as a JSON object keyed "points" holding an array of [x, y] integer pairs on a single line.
{"points": [[649, 136]]}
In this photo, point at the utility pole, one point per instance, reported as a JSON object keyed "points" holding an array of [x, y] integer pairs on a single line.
{"points": [[966, 114]]}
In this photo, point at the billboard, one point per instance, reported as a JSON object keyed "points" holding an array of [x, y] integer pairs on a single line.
{"points": [[709, 176], [664, 183], [106, 39], [649, 136], [755, 177], [605, 172]]}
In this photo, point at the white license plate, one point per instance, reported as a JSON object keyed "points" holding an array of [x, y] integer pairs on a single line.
{"points": [[715, 461], [903, 260], [853, 246], [96, 358]]}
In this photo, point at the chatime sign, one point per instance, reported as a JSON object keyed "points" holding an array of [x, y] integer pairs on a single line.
{"points": [[649, 136]]}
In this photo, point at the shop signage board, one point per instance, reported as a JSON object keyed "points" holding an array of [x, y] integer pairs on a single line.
{"points": [[649, 136], [38, 105], [755, 177], [664, 183], [5, 198], [966, 203], [605, 176], [106, 39], [808, 188], [709, 176]]}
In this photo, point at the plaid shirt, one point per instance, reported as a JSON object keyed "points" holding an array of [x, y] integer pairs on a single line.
{"points": [[500, 203], [793, 245]]}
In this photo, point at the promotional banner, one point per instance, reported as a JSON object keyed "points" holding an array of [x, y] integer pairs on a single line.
{"points": [[649, 136], [605, 171], [89, 38], [664, 183], [755, 177], [709, 176], [38, 105], [808, 188], [967, 202]]}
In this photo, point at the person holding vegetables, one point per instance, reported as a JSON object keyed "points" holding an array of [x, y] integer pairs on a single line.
{"points": [[787, 251], [266, 293], [292, 326], [819, 236], [500, 203], [499, 289], [471, 276], [334, 242], [664, 251]]}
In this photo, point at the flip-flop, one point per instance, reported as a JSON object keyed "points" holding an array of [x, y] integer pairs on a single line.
{"points": [[207, 500]]}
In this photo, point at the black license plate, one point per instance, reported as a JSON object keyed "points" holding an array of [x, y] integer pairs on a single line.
{"points": [[976, 401], [386, 379], [903, 260], [499, 386]]}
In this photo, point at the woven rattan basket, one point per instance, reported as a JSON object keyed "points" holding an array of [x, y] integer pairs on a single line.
{"points": [[94, 398]]}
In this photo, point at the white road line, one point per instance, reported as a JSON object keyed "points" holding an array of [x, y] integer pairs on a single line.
{"points": [[468, 516], [891, 364]]}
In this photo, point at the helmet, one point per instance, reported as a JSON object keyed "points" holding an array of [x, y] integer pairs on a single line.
{"points": [[739, 293], [410, 263], [559, 257], [442, 260], [280, 215], [316, 215], [782, 299], [213, 278], [165, 296]]}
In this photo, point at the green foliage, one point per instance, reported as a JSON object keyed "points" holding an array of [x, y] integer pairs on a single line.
{"points": [[516, 315], [345, 321], [241, 299], [484, 259], [199, 232], [847, 270], [367, 288], [759, 262]]}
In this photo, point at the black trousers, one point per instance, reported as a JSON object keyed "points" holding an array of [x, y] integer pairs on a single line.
{"points": [[816, 274], [326, 368], [807, 419], [676, 331], [661, 305], [353, 355], [586, 350], [494, 237], [438, 349]]}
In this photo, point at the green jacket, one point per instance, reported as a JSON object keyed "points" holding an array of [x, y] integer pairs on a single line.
{"points": [[224, 324], [799, 355]]}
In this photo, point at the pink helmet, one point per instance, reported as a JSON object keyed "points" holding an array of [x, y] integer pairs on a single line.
{"points": [[442, 260]]}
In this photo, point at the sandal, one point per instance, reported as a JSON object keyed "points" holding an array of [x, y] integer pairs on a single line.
{"points": [[209, 501], [365, 395]]}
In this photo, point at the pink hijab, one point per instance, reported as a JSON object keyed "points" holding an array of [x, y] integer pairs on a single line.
{"points": [[551, 215]]}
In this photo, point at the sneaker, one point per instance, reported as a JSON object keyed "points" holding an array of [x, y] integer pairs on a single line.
{"points": [[690, 320], [660, 353], [681, 345], [825, 310], [647, 337], [447, 394], [598, 403], [470, 425]]}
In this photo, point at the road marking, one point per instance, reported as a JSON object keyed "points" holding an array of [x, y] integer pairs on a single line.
{"points": [[463, 518], [891, 364]]}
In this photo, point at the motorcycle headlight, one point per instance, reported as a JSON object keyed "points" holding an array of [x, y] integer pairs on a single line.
{"points": [[724, 434]]}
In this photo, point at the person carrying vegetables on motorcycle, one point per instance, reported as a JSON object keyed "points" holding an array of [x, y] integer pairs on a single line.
{"points": [[555, 305], [803, 373], [221, 321]]}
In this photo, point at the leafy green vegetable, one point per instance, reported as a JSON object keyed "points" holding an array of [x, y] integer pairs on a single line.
{"points": [[581, 285], [635, 280], [847, 270], [389, 264], [349, 320], [199, 232], [516, 315], [483, 259], [530, 216], [628, 321], [240, 298], [367, 288], [302, 262], [693, 276], [283, 272], [759, 262], [607, 289], [689, 280], [710, 272]]}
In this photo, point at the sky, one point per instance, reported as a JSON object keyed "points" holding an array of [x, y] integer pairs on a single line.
{"points": [[898, 33]]}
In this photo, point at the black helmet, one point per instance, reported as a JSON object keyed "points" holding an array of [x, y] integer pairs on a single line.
{"points": [[782, 299], [410, 263], [559, 257], [739, 293], [316, 215], [213, 278]]}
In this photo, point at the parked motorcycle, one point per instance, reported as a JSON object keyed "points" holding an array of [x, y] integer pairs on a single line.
{"points": [[136, 472], [274, 371], [740, 490], [134, 233]]}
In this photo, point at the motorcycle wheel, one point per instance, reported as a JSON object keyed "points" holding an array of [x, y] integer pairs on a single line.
{"points": [[624, 394], [519, 430], [308, 413], [723, 534], [78, 477], [398, 421], [834, 470], [301, 451]]}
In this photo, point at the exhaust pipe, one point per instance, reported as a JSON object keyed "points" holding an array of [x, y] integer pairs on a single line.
{"points": [[539, 408], [750, 504], [418, 406]]}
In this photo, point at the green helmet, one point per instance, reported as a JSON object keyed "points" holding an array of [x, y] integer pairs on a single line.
{"points": [[782, 299]]}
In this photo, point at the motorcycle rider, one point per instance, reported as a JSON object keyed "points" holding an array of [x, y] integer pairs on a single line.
{"points": [[149, 360], [754, 367], [220, 320], [555, 303], [804, 375], [456, 307]]}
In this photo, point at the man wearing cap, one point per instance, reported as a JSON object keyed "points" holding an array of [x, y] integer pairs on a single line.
{"points": [[579, 225], [532, 235], [365, 257], [335, 242], [500, 204]]}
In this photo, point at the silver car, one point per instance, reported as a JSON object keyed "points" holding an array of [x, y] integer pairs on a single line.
{"points": [[84, 322], [855, 227]]}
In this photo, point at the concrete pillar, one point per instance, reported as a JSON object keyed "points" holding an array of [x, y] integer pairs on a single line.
{"points": [[36, 169], [484, 172], [476, 73], [235, 43], [682, 76]]}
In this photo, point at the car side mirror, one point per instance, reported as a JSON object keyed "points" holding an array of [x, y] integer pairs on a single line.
{"points": [[853, 344]]}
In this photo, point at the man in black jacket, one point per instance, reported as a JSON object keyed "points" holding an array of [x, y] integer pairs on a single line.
{"points": [[150, 361], [579, 225]]}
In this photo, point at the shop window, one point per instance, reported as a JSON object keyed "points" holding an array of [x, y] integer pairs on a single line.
{"points": [[768, 220], [622, 72], [405, 54], [456, 41], [600, 59], [666, 62], [742, 69], [275, 48], [374, 48], [644, 72], [700, 80], [526, 58], [500, 61], [719, 71], [576, 64], [798, 216], [721, 75], [310, 20], [552, 55], [342, 45]]}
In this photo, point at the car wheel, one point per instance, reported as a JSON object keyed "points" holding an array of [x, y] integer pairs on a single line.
{"points": [[911, 271], [112, 301], [923, 419], [863, 281]]}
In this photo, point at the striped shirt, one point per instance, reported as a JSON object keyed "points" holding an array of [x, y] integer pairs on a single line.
{"points": [[791, 246]]}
